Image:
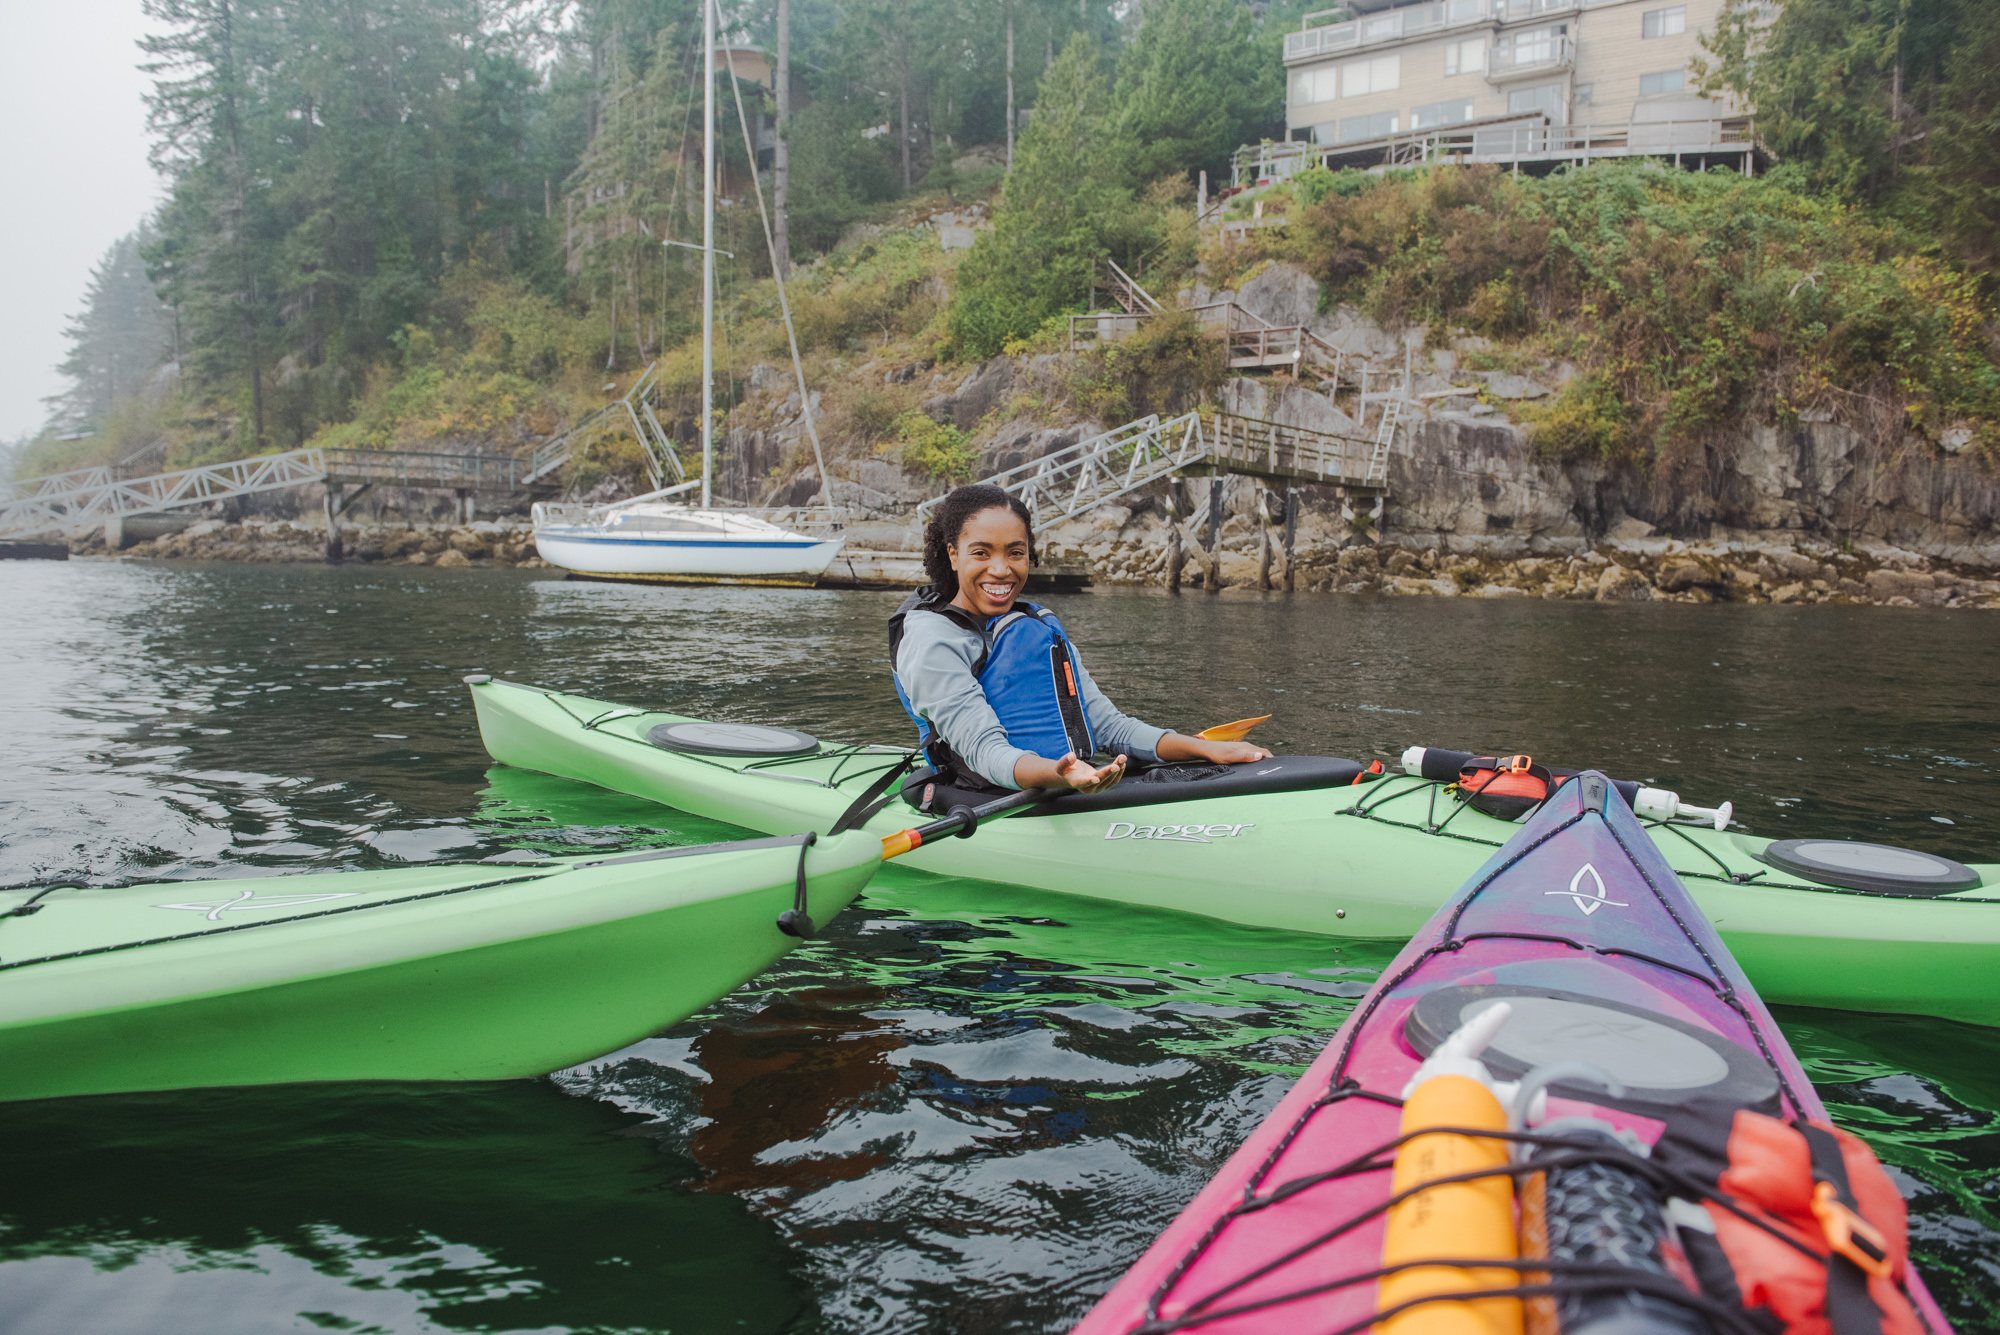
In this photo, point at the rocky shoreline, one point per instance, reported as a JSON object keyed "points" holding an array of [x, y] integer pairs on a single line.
{"points": [[487, 543], [1129, 546], [1754, 571]]}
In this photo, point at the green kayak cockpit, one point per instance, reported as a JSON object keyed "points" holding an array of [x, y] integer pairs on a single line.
{"points": [[1155, 785]]}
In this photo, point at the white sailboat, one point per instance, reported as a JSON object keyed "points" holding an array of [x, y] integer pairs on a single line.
{"points": [[654, 537]]}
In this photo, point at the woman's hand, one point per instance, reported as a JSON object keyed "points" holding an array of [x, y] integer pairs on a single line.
{"points": [[1179, 746], [1087, 778], [1069, 772]]}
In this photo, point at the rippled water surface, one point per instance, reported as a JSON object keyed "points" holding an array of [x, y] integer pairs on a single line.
{"points": [[967, 1107]]}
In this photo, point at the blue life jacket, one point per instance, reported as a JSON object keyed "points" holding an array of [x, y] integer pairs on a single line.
{"points": [[1028, 673]]}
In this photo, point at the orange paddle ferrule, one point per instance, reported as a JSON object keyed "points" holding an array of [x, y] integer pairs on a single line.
{"points": [[1461, 1221], [1231, 732]]}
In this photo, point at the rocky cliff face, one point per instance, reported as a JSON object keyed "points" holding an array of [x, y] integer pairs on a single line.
{"points": [[1467, 486]]}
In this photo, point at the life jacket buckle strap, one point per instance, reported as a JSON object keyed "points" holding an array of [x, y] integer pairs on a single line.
{"points": [[1515, 764], [1849, 1235]]}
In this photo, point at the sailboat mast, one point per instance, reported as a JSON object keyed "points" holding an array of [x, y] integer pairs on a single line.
{"points": [[707, 250]]}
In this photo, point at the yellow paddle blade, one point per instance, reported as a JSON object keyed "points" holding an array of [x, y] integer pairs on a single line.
{"points": [[899, 843], [1231, 732]]}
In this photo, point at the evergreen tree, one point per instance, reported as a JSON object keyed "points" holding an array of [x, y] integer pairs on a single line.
{"points": [[1041, 256], [1889, 101], [117, 342], [328, 164], [1193, 86]]}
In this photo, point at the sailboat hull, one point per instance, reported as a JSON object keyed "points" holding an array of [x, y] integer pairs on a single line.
{"points": [[705, 560]]}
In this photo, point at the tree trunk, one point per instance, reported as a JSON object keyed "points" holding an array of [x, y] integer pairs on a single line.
{"points": [[1010, 84], [781, 240], [906, 114], [245, 276]]}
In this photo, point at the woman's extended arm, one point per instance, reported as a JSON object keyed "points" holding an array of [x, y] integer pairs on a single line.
{"points": [[1179, 746], [1113, 728]]}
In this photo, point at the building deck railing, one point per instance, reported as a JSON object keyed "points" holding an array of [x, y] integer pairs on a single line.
{"points": [[1504, 140], [1414, 20]]}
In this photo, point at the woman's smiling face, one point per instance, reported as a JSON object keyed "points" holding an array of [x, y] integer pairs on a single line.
{"points": [[991, 560]]}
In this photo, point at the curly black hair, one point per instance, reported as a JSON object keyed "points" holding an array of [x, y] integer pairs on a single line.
{"points": [[941, 534]]}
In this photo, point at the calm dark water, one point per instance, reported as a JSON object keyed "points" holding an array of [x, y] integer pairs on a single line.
{"points": [[968, 1106]]}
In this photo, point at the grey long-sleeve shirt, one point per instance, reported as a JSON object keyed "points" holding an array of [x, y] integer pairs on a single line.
{"points": [[934, 667]]}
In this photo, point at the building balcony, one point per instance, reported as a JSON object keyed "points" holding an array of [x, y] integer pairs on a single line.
{"points": [[1522, 60], [1394, 25]]}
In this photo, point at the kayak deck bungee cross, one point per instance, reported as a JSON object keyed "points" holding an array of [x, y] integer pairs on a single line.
{"points": [[463, 972], [1623, 1005], [1290, 843]]}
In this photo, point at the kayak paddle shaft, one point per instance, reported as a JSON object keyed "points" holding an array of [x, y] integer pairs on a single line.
{"points": [[960, 821]]}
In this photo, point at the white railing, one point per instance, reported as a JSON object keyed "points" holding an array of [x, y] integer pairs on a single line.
{"points": [[1725, 134], [80, 500], [657, 447], [55, 484], [1411, 20], [1270, 449], [1553, 52], [1066, 482], [1272, 160], [73, 502], [1505, 139]]}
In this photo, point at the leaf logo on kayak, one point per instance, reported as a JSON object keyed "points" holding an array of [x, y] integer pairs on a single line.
{"points": [[213, 909], [1186, 834], [1585, 900]]}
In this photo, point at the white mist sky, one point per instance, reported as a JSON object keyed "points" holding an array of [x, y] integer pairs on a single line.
{"points": [[73, 149]]}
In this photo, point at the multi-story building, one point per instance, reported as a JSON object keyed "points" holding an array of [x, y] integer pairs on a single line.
{"points": [[1520, 81]]}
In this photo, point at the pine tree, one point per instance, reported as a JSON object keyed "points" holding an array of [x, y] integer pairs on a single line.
{"points": [[117, 342], [1192, 87], [1049, 233]]}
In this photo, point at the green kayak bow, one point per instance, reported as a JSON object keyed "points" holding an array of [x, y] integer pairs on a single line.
{"points": [[459, 972]]}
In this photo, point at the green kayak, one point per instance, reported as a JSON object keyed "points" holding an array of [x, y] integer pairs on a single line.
{"points": [[461, 972], [1293, 843]]}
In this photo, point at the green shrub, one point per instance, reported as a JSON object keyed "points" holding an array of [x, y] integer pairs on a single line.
{"points": [[939, 450], [1586, 421]]}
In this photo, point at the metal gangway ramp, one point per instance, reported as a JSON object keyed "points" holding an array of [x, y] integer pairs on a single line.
{"points": [[1077, 478], [78, 501], [87, 498]]}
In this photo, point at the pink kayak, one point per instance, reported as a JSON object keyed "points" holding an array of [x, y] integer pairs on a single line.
{"points": [[1609, 990]]}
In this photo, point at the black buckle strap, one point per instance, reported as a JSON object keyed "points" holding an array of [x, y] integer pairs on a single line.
{"points": [[1850, 1309], [795, 921], [860, 812]]}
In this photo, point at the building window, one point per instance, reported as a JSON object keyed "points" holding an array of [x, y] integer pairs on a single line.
{"points": [[1666, 81], [1664, 22], [1441, 113], [1314, 85], [1356, 128], [1466, 57], [1383, 74], [1547, 99], [1579, 96], [1536, 45]]}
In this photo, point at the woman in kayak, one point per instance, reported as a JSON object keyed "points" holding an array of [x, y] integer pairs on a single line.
{"points": [[999, 695]]}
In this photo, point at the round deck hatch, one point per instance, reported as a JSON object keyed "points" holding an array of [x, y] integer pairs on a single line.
{"points": [[1663, 1062], [1879, 869], [732, 739]]}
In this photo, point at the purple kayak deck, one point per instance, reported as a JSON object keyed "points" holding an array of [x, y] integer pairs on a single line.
{"points": [[1579, 902]]}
